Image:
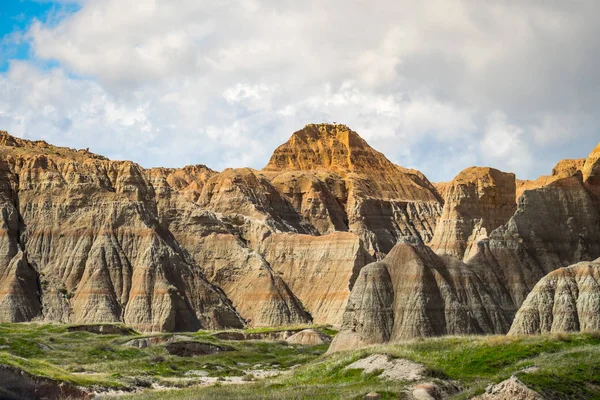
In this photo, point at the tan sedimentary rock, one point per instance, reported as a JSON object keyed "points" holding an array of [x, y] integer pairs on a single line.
{"points": [[554, 226], [320, 270], [19, 288], [187, 181], [591, 174], [86, 239], [477, 201], [258, 294], [90, 230], [112, 242], [398, 369], [248, 200], [565, 300], [319, 197], [442, 188], [384, 202], [412, 293], [509, 389]]}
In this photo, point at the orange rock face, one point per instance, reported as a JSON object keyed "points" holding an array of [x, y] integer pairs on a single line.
{"points": [[563, 169], [382, 202]]}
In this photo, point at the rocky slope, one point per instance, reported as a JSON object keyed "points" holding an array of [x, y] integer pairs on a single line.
{"points": [[563, 169], [320, 270], [566, 300], [89, 247]]}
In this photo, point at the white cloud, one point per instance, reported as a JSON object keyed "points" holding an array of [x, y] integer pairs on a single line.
{"points": [[223, 83], [504, 145]]}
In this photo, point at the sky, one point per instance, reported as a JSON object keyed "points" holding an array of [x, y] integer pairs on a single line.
{"points": [[437, 85]]}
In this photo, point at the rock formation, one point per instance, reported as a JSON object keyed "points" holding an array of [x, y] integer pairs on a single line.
{"points": [[89, 240], [309, 337], [476, 202], [509, 389], [565, 300], [554, 226], [478, 281], [85, 246], [563, 169], [320, 270], [413, 292]]}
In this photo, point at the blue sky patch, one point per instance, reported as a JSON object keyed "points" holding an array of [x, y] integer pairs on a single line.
{"points": [[16, 16]]}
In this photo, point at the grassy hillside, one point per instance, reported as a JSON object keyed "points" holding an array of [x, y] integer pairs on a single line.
{"points": [[557, 366]]}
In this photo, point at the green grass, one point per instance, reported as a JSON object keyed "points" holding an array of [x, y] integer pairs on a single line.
{"points": [[567, 366], [88, 359]]}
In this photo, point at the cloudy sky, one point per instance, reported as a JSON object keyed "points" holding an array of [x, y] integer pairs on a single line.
{"points": [[437, 85]]}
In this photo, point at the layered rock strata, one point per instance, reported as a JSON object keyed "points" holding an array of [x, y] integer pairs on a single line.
{"points": [[319, 270], [93, 240], [413, 292], [95, 251]]}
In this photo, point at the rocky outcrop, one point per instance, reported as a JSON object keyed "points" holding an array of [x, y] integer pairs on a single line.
{"points": [[509, 389], [442, 188], [18, 385], [383, 202], [319, 197], [251, 202], [554, 226], [477, 201], [19, 281], [89, 240], [566, 300], [413, 293], [591, 173]]}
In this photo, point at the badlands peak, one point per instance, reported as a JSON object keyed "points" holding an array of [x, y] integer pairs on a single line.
{"points": [[332, 147]]}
